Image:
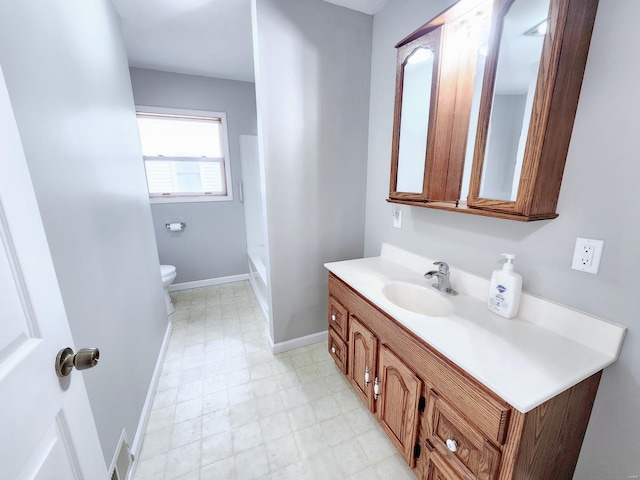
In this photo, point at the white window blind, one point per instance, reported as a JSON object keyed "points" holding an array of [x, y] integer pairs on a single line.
{"points": [[183, 155]]}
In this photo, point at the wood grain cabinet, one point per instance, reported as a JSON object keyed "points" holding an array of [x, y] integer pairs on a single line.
{"points": [[436, 469], [398, 402], [500, 96], [456, 440], [445, 424], [363, 356]]}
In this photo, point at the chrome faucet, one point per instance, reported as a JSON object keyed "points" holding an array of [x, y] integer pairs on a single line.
{"points": [[442, 274]]}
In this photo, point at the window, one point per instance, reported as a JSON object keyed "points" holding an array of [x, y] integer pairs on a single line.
{"points": [[185, 155]]}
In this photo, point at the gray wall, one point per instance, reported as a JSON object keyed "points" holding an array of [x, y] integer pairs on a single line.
{"points": [[312, 79], [213, 244], [66, 71], [597, 200]]}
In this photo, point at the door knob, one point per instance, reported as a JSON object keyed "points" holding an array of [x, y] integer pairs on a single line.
{"points": [[85, 358]]}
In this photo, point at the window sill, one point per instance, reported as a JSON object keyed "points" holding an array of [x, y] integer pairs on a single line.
{"points": [[191, 199]]}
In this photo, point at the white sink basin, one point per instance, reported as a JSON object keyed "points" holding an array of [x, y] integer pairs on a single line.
{"points": [[418, 299]]}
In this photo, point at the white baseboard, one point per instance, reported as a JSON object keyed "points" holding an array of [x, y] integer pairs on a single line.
{"points": [[136, 445], [299, 342], [208, 282]]}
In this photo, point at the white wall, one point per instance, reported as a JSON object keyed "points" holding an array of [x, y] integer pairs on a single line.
{"points": [[312, 77], [213, 245], [597, 200], [67, 76]]}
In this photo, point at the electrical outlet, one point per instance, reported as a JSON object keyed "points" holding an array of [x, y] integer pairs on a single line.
{"points": [[587, 255], [397, 217]]}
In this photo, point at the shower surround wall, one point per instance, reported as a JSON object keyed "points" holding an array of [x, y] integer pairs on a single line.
{"points": [[312, 64], [213, 244]]}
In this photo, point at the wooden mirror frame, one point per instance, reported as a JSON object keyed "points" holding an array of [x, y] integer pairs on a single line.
{"points": [[564, 56], [432, 41], [450, 111], [563, 60]]}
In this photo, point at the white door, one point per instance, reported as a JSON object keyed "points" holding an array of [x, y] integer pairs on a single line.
{"points": [[47, 429]]}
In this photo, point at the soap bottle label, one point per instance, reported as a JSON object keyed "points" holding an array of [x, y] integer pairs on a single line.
{"points": [[497, 301]]}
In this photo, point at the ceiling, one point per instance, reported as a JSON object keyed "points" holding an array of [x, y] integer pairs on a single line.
{"points": [[198, 37]]}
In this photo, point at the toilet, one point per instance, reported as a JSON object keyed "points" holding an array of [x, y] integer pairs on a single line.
{"points": [[168, 273]]}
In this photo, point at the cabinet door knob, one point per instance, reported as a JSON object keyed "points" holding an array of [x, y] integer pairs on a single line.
{"points": [[452, 445], [333, 349], [376, 389], [333, 317], [367, 381]]}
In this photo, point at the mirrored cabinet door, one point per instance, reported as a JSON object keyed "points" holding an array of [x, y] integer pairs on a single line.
{"points": [[417, 84], [519, 53], [532, 81], [416, 89], [434, 81]]}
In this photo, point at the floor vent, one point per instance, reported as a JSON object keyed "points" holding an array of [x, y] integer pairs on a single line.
{"points": [[122, 460]]}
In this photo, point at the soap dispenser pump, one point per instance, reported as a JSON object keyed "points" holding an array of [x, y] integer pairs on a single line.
{"points": [[505, 289]]}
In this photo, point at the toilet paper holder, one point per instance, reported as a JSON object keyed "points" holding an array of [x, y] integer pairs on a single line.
{"points": [[175, 227]]}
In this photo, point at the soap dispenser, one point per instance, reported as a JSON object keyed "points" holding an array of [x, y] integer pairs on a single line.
{"points": [[505, 289]]}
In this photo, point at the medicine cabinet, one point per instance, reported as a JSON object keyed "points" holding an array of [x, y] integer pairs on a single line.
{"points": [[486, 95]]}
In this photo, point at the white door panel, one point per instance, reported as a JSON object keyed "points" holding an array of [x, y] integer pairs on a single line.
{"points": [[38, 440], [49, 460]]}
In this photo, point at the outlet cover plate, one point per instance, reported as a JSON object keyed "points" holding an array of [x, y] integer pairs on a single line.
{"points": [[397, 217], [587, 255]]}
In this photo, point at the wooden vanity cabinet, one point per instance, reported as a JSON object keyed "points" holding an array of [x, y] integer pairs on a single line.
{"points": [[445, 424], [388, 387]]}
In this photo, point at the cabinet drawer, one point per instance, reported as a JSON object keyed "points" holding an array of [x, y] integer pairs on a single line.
{"points": [[437, 469], [338, 350], [338, 318], [463, 446]]}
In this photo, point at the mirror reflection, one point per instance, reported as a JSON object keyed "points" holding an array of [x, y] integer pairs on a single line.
{"points": [[480, 38], [414, 120], [520, 51]]}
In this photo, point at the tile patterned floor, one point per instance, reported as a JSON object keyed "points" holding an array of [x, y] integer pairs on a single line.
{"points": [[226, 408]]}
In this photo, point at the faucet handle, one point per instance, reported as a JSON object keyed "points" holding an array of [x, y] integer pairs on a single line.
{"points": [[443, 268]]}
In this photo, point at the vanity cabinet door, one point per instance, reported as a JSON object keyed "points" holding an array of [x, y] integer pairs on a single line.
{"points": [[519, 158], [363, 354], [397, 402]]}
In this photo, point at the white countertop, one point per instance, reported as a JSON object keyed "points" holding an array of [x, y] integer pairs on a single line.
{"points": [[527, 360]]}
